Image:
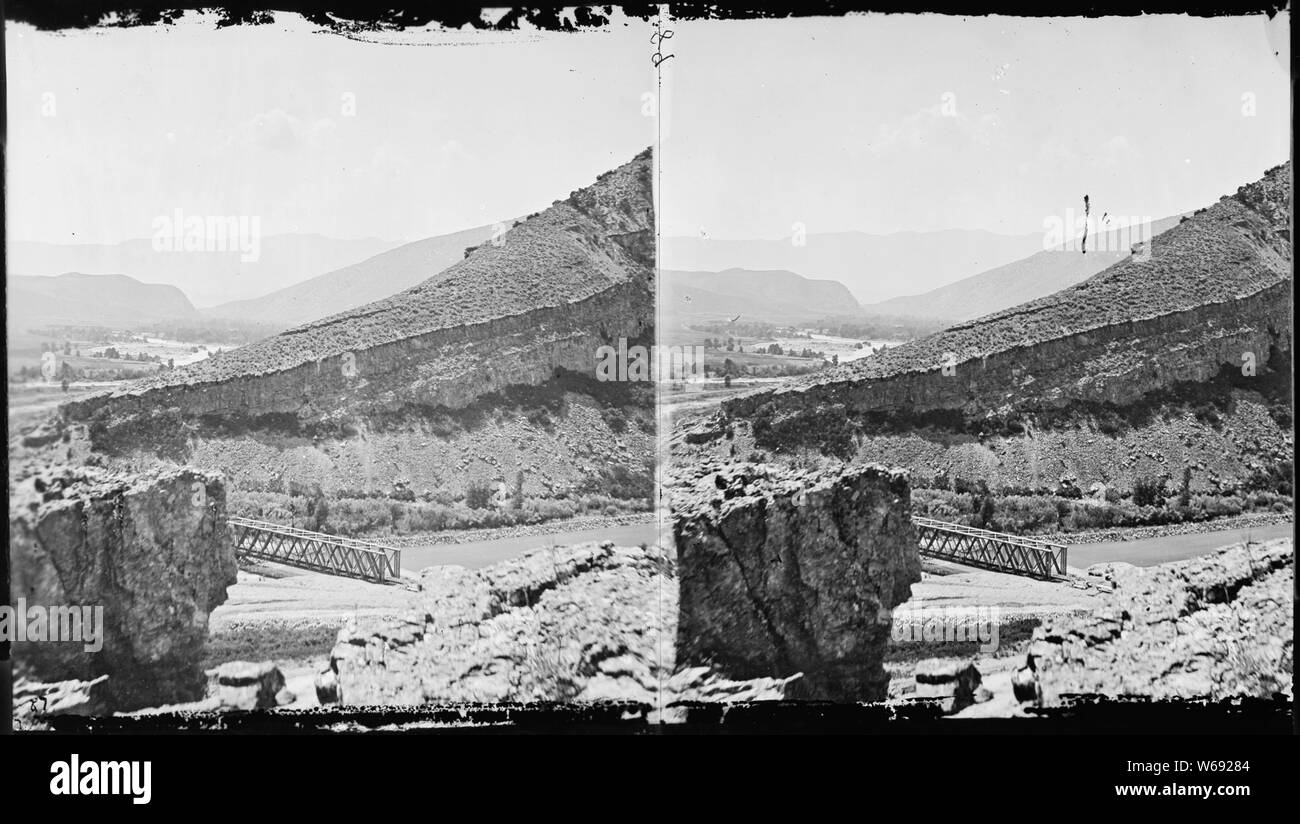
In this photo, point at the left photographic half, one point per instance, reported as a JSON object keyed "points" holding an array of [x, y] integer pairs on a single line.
{"points": [[325, 368]]}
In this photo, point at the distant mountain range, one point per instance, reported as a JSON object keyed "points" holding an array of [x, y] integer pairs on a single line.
{"points": [[873, 267], [207, 278], [1033, 277], [775, 295], [756, 295], [356, 285], [75, 299]]}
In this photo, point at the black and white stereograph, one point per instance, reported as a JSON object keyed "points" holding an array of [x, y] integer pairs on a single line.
{"points": [[647, 369]]}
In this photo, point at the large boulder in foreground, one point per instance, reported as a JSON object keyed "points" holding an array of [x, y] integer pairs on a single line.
{"points": [[1216, 627], [151, 550], [784, 571]]}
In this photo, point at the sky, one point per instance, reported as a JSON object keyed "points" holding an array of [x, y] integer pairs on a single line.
{"points": [[110, 129], [868, 123], [881, 124]]}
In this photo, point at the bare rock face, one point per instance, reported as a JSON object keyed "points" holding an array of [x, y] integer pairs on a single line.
{"points": [[784, 572], [955, 683], [151, 550], [586, 623], [245, 685], [1216, 627]]}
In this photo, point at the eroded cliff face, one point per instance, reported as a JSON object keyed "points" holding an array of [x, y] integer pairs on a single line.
{"points": [[1116, 364], [784, 572], [150, 550], [443, 368], [544, 296]]}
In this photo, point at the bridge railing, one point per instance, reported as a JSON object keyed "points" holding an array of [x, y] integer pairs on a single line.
{"points": [[995, 550], [317, 551]]}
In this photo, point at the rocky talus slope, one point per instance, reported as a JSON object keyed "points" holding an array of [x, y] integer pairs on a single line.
{"points": [[784, 572], [152, 550], [1216, 627]]}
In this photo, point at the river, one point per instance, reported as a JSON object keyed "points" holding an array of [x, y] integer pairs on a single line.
{"points": [[477, 554], [1141, 552], [1161, 550]]}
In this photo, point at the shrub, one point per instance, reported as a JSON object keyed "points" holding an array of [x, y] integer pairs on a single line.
{"points": [[1068, 489], [1024, 515], [478, 495], [1149, 491], [962, 485], [615, 419], [539, 417], [1215, 506]]}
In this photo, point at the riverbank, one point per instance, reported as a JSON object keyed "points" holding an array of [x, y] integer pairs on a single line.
{"points": [[466, 536], [1253, 520]]}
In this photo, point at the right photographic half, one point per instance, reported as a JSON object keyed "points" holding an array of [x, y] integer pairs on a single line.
{"points": [[986, 404]]}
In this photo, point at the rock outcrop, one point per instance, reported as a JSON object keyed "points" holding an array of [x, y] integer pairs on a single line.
{"points": [[245, 685], [1213, 288], [578, 623], [955, 683], [1182, 359], [785, 572], [584, 623], [542, 297], [1218, 626], [146, 557]]}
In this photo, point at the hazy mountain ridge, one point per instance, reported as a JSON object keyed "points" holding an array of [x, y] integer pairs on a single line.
{"points": [[773, 295], [1039, 275], [360, 283], [76, 299], [207, 278]]}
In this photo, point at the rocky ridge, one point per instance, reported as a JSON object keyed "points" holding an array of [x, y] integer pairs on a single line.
{"points": [[544, 296]]}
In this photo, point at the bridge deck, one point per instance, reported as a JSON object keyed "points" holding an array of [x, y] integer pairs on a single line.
{"points": [[350, 557], [991, 550], [316, 551]]}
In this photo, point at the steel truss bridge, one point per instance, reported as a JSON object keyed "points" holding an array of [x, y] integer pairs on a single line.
{"points": [[316, 551], [990, 550], [352, 558]]}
